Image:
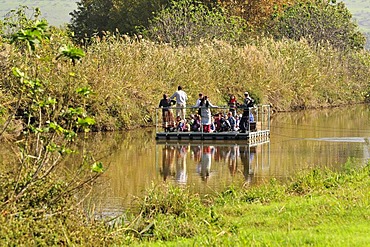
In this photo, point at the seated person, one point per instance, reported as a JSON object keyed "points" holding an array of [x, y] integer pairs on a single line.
{"points": [[225, 124], [232, 121], [187, 125], [217, 121], [195, 125], [212, 126], [180, 124]]}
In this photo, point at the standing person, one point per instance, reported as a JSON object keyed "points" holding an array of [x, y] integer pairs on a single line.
{"points": [[247, 103], [197, 104], [232, 105], [206, 115], [181, 98], [167, 116]]}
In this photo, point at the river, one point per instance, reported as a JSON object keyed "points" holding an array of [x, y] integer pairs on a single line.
{"points": [[134, 160]]}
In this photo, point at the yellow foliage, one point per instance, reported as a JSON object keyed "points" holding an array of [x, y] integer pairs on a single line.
{"points": [[255, 12]]}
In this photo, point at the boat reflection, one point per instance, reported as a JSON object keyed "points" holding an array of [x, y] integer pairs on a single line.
{"points": [[218, 163]]}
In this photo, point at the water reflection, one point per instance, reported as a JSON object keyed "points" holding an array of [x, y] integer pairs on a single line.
{"points": [[215, 164], [247, 158], [204, 166], [299, 140]]}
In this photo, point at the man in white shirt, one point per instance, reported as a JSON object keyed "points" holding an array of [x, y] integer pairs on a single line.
{"points": [[181, 98]]}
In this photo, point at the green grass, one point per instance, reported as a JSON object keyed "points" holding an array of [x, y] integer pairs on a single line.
{"points": [[317, 220], [335, 213]]}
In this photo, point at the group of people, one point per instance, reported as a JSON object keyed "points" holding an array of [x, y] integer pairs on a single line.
{"points": [[203, 118]]}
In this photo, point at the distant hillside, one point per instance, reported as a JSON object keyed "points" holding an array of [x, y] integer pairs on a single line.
{"points": [[55, 11], [360, 10]]}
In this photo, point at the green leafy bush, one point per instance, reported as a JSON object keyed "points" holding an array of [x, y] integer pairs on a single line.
{"points": [[188, 22], [319, 22]]}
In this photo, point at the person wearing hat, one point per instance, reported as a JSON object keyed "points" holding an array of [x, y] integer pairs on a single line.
{"points": [[248, 101]]}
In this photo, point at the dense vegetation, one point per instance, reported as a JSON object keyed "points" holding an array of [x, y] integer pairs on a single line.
{"points": [[189, 21], [127, 75], [53, 90]]}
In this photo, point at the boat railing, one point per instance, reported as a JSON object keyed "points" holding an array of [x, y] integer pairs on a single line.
{"points": [[258, 120]]}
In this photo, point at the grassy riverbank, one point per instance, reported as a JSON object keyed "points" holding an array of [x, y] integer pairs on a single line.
{"points": [[317, 208]]}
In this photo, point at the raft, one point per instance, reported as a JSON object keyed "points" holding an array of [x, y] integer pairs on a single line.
{"points": [[257, 132]]}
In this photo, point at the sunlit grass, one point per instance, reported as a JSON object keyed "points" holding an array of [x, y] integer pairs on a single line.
{"points": [[129, 76], [286, 74], [323, 215]]}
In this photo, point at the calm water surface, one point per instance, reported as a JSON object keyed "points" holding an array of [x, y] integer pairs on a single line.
{"points": [[301, 140]]}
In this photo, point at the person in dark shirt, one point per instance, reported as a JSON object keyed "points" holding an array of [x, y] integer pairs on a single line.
{"points": [[167, 115], [248, 102]]}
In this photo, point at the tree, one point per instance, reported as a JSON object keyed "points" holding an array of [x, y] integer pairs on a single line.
{"points": [[254, 12], [94, 17], [33, 184], [188, 22], [91, 18], [318, 21], [133, 16]]}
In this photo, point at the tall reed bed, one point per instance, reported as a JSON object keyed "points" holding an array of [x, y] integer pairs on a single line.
{"points": [[129, 76], [289, 75]]}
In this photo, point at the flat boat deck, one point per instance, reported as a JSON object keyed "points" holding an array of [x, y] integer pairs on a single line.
{"points": [[231, 135], [252, 138], [257, 132]]}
